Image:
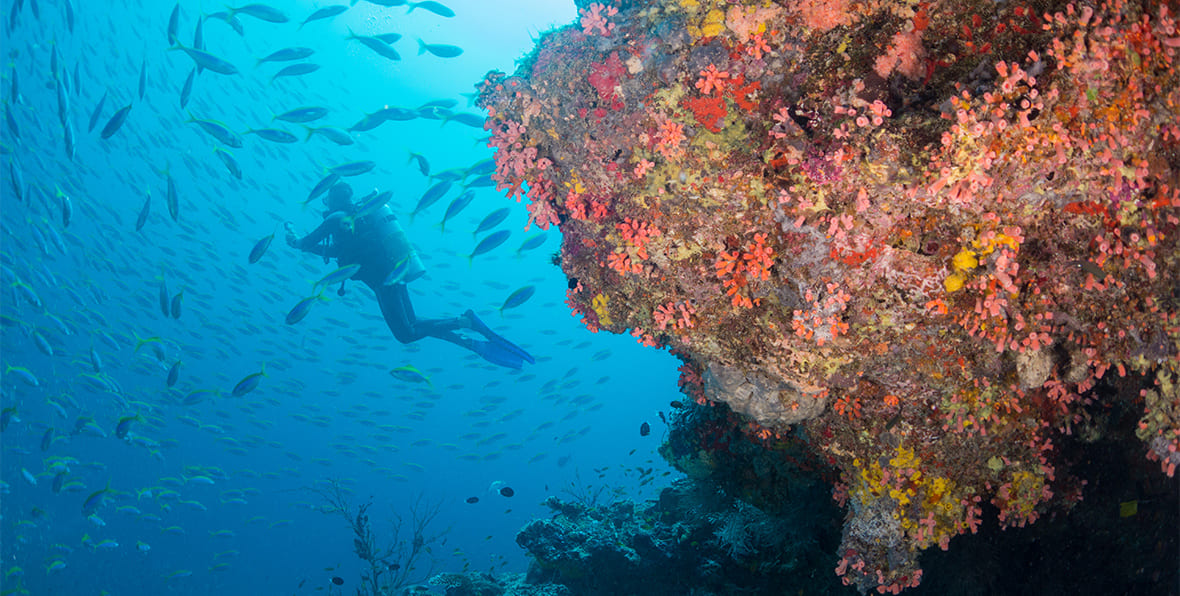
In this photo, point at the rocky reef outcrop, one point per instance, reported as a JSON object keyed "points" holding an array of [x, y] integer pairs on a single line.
{"points": [[932, 243]]}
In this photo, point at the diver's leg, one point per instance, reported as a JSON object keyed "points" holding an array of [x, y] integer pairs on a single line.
{"points": [[399, 316]]}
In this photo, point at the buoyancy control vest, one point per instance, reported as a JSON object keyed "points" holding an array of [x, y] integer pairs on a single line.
{"points": [[381, 233]]}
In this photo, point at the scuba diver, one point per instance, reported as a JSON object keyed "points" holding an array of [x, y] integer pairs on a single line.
{"points": [[368, 235]]}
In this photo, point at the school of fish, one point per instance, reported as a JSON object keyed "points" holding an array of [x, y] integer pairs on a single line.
{"points": [[154, 361]]}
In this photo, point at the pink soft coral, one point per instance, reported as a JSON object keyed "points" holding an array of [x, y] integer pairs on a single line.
{"points": [[824, 14], [712, 79], [905, 55], [594, 19]]}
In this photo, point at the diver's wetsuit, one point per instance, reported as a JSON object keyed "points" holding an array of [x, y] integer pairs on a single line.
{"points": [[378, 244]]}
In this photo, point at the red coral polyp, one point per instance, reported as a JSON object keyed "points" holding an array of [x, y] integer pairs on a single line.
{"points": [[710, 112], [742, 92], [605, 77]]}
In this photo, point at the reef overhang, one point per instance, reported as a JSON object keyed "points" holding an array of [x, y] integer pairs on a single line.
{"points": [[938, 237]]}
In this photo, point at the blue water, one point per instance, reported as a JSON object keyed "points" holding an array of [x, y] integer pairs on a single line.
{"points": [[328, 407]]}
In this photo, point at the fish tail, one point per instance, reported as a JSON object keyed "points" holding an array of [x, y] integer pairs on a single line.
{"points": [[310, 132], [141, 341], [421, 44]]}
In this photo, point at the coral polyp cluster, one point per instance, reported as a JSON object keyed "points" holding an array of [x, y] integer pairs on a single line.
{"points": [[942, 239]]}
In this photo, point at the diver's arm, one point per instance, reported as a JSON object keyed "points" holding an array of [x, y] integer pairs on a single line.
{"points": [[314, 242], [316, 249]]}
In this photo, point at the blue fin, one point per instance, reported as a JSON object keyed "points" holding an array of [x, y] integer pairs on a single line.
{"points": [[496, 350], [496, 354]]}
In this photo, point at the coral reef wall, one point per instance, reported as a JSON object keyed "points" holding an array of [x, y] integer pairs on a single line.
{"points": [[937, 236]]}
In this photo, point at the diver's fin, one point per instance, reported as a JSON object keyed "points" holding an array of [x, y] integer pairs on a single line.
{"points": [[498, 354], [498, 341]]}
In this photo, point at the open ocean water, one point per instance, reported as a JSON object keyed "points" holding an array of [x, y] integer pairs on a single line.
{"points": [[132, 314]]}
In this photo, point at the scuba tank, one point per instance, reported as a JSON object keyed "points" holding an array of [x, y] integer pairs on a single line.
{"points": [[381, 231]]}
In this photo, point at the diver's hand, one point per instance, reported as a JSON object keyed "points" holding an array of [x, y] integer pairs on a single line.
{"points": [[292, 239]]}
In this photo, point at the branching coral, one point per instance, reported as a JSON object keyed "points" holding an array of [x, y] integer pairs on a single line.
{"points": [[394, 560]]}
